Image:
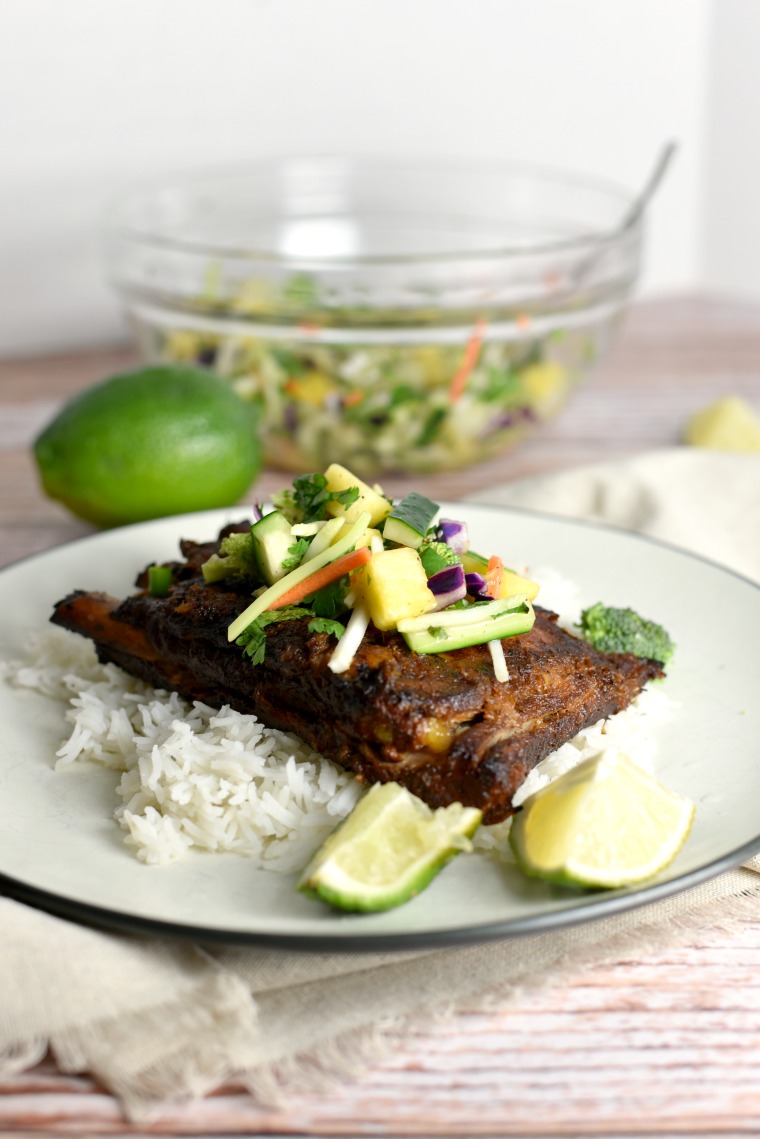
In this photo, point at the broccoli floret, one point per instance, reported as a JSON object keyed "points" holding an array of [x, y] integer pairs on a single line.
{"points": [[435, 556], [236, 558], [623, 631]]}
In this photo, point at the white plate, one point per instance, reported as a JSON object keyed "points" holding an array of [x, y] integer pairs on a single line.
{"points": [[61, 850]]}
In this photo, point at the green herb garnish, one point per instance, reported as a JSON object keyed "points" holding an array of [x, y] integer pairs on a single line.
{"points": [[296, 554], [330, 600], [309, 498], [325, 625], [253, 639]]}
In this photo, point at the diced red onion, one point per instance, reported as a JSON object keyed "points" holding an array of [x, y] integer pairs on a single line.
{"points": [[448, 585], [477, 586], [455, 535]]}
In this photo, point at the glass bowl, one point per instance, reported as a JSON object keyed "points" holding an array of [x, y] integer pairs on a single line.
{"points": [[390, 316]]}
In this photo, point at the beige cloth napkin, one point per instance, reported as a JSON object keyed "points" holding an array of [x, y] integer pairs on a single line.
{"points": [[158, 1021]]}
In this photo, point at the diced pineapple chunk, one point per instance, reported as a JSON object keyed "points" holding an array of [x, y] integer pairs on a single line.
{"points": [[338, 479], [312, 388], [545, 385], [393, 586], [367, 536], [512, 583]]}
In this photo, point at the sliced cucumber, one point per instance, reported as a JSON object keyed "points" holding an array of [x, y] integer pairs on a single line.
{"points": [[473, 625], [267, 599], [410, 520], [272, 538]]}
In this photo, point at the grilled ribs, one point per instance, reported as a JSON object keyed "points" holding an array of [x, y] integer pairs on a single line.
{"points": [[440, 724]]}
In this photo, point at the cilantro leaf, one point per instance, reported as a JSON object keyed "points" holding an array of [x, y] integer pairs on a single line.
{"points": [[253, 642], [325, 625], [296, 553], [311, 496], [346, 497], [330, 601], [308, 500], [253, 639]]}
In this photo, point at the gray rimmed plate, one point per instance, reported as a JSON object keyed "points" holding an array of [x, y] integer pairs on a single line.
{"points": [[61, 850]]}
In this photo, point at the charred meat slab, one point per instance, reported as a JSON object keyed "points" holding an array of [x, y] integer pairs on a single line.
{"points": [[440, 724]]}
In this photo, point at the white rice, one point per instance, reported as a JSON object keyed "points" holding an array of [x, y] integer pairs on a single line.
{"points": [[194, 777], [191, 776]]}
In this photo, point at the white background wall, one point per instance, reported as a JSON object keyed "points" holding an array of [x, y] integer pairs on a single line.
{"points": [[98, 95]]}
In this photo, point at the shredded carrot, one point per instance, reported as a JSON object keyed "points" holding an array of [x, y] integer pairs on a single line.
{"points": [[323, 577], [470, 359], [353, 398], [494, 576], [308, 326], [523, 321]]}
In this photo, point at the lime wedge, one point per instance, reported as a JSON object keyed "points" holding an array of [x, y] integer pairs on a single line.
{"points": [[389, 848], [606, 823]]}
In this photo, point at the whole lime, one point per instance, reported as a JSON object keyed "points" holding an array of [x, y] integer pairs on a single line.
{"points": [[144, 444]]}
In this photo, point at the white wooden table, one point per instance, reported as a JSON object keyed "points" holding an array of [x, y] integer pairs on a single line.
{"points": [[665, 1045]]}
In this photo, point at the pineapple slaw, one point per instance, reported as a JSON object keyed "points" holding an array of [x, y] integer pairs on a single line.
{"points": [[378, 401], [341, 553]]}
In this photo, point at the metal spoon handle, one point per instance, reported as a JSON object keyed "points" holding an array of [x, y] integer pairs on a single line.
{"points": [[636, 209]]}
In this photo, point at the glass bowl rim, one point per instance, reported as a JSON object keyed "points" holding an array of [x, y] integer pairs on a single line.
{"points": [[118, 228]]}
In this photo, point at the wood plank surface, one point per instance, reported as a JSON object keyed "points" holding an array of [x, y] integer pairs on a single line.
{"points": [[665, 1045]]}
